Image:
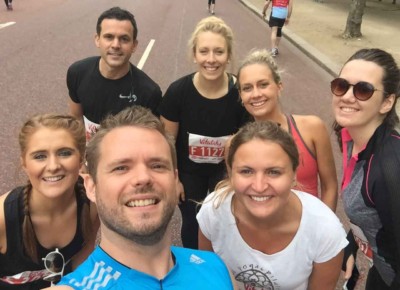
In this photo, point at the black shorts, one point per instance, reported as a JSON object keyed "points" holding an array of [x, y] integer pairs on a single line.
{"points": [[273, 22]]}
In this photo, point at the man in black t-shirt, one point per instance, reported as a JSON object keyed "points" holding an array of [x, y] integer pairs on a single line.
{"points": [[108, 83]]}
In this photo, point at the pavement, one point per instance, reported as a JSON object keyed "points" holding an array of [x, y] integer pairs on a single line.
{"points": [[316, 29]]}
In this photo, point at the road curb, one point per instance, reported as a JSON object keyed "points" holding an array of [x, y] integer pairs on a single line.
{"points": [[314, 54]]}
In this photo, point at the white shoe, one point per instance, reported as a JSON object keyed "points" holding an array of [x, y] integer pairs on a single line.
{"points": [[274, 52]]}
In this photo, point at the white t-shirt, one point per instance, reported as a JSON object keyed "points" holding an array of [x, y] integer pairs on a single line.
{"points": [[320, 237]]}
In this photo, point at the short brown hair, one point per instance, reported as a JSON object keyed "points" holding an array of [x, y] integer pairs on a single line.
{"points": [[135, 116], [262, 130]]}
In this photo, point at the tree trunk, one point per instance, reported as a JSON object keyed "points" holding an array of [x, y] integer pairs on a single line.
{"points": [[354, 19]]}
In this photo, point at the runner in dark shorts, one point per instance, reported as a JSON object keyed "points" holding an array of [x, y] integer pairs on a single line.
{"points": [[280, 15], [9, 4], [211, 6], [278, 22]]}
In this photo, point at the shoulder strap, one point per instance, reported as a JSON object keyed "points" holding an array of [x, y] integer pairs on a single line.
{"points": [[13, 219]]}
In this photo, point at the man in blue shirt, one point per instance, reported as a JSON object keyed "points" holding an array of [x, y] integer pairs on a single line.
{"points": [[133, 181]]}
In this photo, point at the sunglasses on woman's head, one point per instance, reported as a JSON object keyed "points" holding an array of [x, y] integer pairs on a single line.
{"points": [[54, 263], [361, 90]]}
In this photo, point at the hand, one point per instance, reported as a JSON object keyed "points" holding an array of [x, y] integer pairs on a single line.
{"points": [[287, 21], [352, 278], [349, 267]]}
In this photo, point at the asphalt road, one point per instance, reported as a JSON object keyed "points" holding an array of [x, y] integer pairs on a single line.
{"points": [[49, 35]]}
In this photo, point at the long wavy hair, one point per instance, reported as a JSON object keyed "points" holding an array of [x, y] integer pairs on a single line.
{"points": [[77, 131]]}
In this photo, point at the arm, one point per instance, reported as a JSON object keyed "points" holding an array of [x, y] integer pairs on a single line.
{"points": [[349, 256], [3, 237], [155, 101], [326, 164], [226, 153], [204, 243], [266, 5], [325, 275], [234, 283], [315, 136], [170, 126], [75, 109], [290, 8]]}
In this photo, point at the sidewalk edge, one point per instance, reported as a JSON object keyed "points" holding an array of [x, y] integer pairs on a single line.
{"points": [[314, 54]]}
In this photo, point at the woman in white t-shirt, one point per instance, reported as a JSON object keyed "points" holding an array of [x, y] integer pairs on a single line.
{"points": [[270, 236]]}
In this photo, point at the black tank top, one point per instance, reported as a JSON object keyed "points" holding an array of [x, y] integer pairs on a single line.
{"points": [[14, 261]]}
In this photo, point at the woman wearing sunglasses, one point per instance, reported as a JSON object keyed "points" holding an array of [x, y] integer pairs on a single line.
{"points": [[260, 88], [364, 99], [47, 226]]}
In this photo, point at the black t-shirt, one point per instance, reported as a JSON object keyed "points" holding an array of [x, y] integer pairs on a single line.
{"points": [[198, 115], [100, 96]]}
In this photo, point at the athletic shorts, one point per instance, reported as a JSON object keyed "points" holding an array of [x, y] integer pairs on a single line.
{"points": [[276, 22]]}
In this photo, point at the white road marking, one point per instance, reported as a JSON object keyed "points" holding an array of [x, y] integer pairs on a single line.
{"points": [[145, 54], [2, 25]]}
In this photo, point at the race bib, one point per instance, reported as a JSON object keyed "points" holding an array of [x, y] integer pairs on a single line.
{"points": [[362, 242], [25, 277], [90, 128], [204, 149]]}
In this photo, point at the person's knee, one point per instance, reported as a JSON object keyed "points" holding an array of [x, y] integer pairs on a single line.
{"points": [[279, 32]]}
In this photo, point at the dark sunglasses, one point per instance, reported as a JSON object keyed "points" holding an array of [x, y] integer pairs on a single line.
{"points": [[361, 90], [54, 263]]}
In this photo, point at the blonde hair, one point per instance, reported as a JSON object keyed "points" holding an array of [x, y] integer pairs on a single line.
{"points": [[263, 57], [215, 25]]}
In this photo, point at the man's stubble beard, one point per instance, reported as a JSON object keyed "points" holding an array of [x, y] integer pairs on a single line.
{"points": [[146, 235]]}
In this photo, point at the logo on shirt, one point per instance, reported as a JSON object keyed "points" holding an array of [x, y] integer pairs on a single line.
{"points": [[131, 97], [196, 260], [98, 278], [254, 277]]}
